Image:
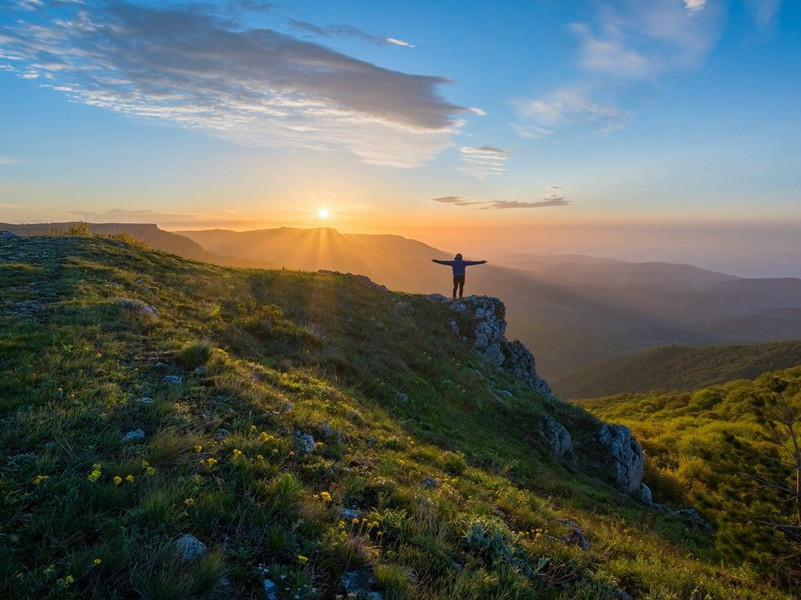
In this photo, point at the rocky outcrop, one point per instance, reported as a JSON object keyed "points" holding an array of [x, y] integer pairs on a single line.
{"points": [[626, 456], [557, 436], [488, 315]]}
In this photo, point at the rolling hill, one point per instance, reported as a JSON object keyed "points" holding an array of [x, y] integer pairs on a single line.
{"points": [[572, 311], [177, 429], [677, 368]]}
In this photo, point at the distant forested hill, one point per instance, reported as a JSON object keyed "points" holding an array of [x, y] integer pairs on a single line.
{"points": [[677, 368]]}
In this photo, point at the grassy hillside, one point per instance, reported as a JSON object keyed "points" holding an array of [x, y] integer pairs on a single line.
{"points": [[676, 368], [145, 398], [715, 448]]}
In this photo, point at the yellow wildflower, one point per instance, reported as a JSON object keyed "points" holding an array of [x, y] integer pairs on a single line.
{"points": [[355, 521], [259, 457], [96, 561], [69, 579], [39, 479], [198, 449], [150, 471], [325, 496], [129, 478], [237, 453], [302, 559], [253, 428], [117, 480]]}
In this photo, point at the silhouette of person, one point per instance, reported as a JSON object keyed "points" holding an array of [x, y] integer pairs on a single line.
{"points": [[458, 265]]}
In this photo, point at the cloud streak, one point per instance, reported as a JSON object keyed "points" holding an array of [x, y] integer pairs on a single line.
{"points": [[345, 31], [483, 162], [549, 200], [185, 66]]}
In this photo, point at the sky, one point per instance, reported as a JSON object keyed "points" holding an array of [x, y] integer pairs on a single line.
{"points": [[658, 130]]}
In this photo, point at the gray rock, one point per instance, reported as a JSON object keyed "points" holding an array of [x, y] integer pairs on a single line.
{"points": [[643, 494], [134, 435], [494, 354], [437, 298], [371, 441], [692, 515], [201, 370], [521, 363], [172, 379], [8, 235], [161, 365], [289, 406], [626, 456], [454, 325], [430, 483], [137, 306], [221, 434], [270, 589], [326, 430], [360, 582], [190, 547], [349, 514], [558, 438], [144, 400], [305, 442], [576, 536]]}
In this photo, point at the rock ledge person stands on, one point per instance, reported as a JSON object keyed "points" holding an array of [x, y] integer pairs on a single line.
{"points": [[458, 265]]}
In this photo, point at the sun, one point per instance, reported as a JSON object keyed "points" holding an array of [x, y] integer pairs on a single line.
{"points": [[323, 213]]}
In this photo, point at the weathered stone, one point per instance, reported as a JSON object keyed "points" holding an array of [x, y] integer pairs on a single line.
{"points": [[370, 441], [270, 589], [521, 363], [190, 547], [145, 400], [692, 515], [361, 583], [172, 379], [454, 325], [221, 434], [305, 442], [8, 235], [558, 438], [349, 514], [643, 494], [626, 454], [134, 435], [201, 370], [576, 536], [430, 482], [139, 307]]}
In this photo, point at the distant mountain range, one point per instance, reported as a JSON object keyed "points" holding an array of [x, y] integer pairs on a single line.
{"points": [[677, 369], [572, 311]]}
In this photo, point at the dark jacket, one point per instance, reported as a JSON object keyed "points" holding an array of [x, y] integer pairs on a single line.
{"points": [[458, 266]]}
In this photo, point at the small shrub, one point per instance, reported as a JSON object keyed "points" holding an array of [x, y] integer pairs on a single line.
{"points": [[194, 355]]}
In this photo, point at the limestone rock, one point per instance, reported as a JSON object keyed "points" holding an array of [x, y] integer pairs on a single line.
{"points": [[558, 437], [270, 589], [521, 363], [134, 435], [139, 307], [360, 582], [190, 547], [430, 482], [305, 442], [172, 379], [626, 454], [643, 494]]}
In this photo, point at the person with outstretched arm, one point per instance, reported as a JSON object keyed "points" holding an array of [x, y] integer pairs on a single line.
{"points": [[458, 265]]}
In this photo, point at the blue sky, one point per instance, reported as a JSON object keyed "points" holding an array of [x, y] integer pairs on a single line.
{"points": [[433, 119]]}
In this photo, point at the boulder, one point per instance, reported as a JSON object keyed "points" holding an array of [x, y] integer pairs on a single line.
{"points": [[361, 583], [643, 494], [558, 438], [133, 435], [626, 456], [305, 442], [521, 363], [172, 379], [190, 547]]}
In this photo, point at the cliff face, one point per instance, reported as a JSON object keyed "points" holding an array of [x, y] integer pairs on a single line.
{"points": [[487, 326]]}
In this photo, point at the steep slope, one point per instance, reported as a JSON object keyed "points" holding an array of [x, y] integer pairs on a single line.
{"points": [[175, 429], [677, 368], [715, 448]]}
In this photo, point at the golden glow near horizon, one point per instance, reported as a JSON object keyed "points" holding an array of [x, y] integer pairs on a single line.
{"points": [[323, 213]]}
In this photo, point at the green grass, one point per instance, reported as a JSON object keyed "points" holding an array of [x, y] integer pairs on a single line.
{"points": [[391, 396], [703, 447]]}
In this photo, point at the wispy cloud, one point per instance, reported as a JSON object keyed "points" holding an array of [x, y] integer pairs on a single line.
{"points": [[764, 11], [549, 200], [345, 31], [624, 53], [567, 111], [191, 68], [483, 161], [164, 219]]}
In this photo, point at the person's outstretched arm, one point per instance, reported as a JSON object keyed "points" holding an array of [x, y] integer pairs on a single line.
{"points": [[474, 262], [443, 262]]}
